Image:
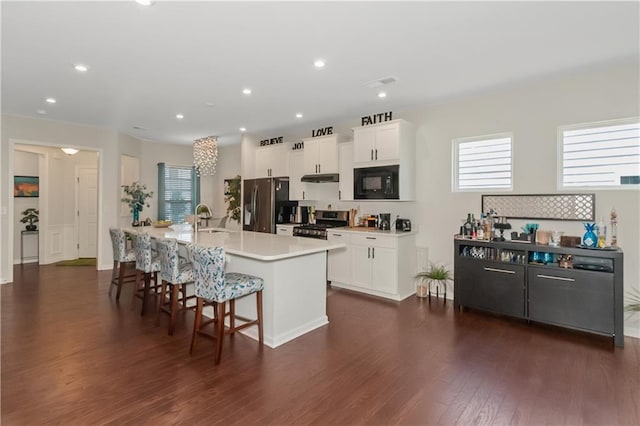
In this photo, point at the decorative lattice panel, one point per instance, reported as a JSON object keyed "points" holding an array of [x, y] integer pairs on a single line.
{"points": [[542, 206]]}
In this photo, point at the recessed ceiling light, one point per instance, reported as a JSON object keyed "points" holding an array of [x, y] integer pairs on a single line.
{"points": [[179, 116], [41, 111], [319, 63], [81, 67], [210, 104], [382, 95], [246, 91], [243, 129], [51, 100], [145, 2], [70, 151], [298, 115]]}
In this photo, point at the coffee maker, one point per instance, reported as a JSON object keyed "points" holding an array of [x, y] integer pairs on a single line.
{"points": [[384, 221]]}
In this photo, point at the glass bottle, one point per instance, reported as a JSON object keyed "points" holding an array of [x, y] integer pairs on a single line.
{"points": [[602, 234], [614, 227], [468, 227]]}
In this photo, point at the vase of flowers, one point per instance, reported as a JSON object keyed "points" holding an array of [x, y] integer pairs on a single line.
{"points": [[136, 199]]}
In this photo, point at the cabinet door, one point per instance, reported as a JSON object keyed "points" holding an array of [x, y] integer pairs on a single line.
{"points": [[384, 269], [263, 162], [387, 142], [360, 265], [328, 154], [492, 286], [311, 156], [296, 170], [345, 187], [279, 161], [338, 260], [580, 299], [364, 142]]}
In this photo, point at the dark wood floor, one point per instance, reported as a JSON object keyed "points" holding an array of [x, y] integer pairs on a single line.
{"points": [[71, 355]]}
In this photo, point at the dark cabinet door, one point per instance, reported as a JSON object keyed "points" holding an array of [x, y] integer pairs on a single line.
{"points": [[579, 299], [491, 286]]}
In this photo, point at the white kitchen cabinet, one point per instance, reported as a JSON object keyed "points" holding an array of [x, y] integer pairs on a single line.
{"points": [[321, 155], [338, 259], [285, 230], [296, 171], [381, 263], [272, 161], [345, 164], [383, 143]]}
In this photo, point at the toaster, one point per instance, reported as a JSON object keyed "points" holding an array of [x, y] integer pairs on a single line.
{"points": [[403, 224]]}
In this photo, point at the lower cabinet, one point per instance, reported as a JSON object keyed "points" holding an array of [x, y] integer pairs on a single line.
{"points": [[495, 287], [577, 299], [375, 264], [526, 281]]}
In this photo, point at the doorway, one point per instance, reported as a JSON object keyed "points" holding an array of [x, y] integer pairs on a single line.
{"points": [[87, 211]]}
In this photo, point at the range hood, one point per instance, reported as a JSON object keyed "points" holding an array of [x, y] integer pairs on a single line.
{"points": [[323, 178]]}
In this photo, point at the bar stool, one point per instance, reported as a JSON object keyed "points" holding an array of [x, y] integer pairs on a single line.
{"points": [[214, 286], [147, 264], [122, 258], [174, 271]]}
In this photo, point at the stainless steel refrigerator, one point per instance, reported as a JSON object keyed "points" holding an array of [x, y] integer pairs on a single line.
{"points": [[266, 203]]}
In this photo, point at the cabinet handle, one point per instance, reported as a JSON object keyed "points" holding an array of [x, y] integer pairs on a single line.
{"points": [[303, 195], [551, 277], [370, 238], [503, 271], [368, 252], [339, 195], [371, 155], [373, 252], [376, 153], [319, 168], [337, 235]]}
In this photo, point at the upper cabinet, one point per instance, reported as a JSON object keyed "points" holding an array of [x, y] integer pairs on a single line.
{"points": [[296, 171], [272, 161], [321, 155], [384, 143], [345, 187]]}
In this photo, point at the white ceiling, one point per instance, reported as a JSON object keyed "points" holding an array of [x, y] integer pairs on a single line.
{"points": [[148, 64]]}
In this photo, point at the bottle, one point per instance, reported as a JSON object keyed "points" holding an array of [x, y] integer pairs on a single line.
{"points": [[481, 226], [614, 227], [602, 234], [468, 227]]}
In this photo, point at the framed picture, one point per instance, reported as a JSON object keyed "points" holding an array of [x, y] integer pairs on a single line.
{"points": [[26, 186]]}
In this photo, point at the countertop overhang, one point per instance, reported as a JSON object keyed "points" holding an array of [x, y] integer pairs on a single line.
{"points": [[254, 245]]}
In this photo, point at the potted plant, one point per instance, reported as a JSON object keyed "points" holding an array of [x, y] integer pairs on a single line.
{"points": [[31, 216], [437, 275], [136, 198]]}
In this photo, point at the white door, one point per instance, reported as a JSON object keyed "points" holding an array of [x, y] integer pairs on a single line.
{"points": [[387, 142], [328, 155], [87, 196], [360, 265], [385, 269], [364, 142]]}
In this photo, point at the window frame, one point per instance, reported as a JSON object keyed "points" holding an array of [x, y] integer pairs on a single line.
{"points": [[455, 157], [560, 155], [195, 187]]}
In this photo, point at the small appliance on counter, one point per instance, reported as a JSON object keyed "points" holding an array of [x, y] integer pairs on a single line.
{"points": [[384, 221], [403, 225]]}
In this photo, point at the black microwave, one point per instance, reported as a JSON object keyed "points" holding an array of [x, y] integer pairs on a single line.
{"points": [[376, 183]]}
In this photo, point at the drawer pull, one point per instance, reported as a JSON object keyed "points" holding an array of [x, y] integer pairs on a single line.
{"points": [[370, 238], [551, 277], [503, 271], [337, 235]]}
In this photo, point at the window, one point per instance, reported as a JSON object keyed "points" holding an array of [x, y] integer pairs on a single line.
{"points": [[178, 192], [605, 154], [482, 163]]}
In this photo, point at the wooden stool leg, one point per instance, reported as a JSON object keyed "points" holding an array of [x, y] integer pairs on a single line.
{"points": [[232, 317], [184, 297], [174, 307], [136, 286], [147, 286], [196, 323], [120, 279], [114, 274], [163, 295], [219, 331], [259, 310]]}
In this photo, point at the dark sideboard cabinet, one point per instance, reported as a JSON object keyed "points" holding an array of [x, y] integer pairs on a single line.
{"points": [[525, 281]]}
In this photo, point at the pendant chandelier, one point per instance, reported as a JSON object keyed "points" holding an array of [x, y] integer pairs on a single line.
{"points": [[205, 155]]}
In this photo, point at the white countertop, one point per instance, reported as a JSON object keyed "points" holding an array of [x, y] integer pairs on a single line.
{"points": [[255, 245], [376, 231]]}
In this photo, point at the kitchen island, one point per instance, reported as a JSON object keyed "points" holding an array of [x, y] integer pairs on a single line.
{"points": [[294, 270]]}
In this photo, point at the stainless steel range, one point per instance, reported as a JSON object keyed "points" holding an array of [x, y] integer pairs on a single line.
{"points": [[325, 219]]}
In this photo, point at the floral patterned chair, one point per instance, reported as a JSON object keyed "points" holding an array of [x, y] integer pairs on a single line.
{"points": [[175, 271], [123, 258], [147, 266], [215, 287]]}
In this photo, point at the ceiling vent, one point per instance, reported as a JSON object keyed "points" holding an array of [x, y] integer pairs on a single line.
{"points": [[381, 81]]}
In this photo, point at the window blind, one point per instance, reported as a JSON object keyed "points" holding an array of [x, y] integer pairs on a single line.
{"points": [[483, 164], [601, 156], [178, 192]]}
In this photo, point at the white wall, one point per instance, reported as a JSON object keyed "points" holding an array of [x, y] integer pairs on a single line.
{"points": [[228, 167]]}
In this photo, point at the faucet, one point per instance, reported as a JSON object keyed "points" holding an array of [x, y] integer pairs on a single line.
{"points": [[195, 216]]}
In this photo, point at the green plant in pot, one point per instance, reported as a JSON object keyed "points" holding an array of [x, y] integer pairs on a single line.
{"points": [[31, 216], [437, 275]]}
